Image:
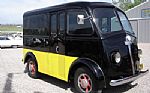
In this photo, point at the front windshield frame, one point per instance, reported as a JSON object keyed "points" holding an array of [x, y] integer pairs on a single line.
{"points": [[115, 10], [123, 26]]}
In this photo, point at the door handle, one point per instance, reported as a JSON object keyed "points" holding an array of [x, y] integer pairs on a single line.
{"points": [[57, 49], [54, 35]]}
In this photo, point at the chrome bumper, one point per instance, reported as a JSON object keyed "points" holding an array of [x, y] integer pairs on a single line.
{"points": [[127, 79]]}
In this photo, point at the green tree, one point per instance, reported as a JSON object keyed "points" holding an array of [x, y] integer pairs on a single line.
{"points": [[127, 4]]}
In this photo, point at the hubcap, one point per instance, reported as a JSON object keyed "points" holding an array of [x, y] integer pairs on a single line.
{"points": [[32, 68], [85, 83]]}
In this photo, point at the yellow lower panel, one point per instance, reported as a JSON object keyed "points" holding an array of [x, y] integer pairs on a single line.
{"points": [[55, 65]]}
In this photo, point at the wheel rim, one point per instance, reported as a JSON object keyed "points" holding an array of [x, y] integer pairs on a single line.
{"points": [[85, 83], [31, 67]]}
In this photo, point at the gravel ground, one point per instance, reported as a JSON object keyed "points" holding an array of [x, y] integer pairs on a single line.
{"points": [[14, 80]]}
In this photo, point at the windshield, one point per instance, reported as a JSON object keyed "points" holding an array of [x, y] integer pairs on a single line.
{"points": [[107, 21], [124, 22]]}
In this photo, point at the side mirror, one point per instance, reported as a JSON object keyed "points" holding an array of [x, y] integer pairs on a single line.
{"points": [[80, 19]]}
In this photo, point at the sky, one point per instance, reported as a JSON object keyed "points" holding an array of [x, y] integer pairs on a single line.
{"points": [[11, 11]]}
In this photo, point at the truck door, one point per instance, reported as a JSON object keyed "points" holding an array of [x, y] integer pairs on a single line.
{"points": [[53, 56], [61, 45], [56, 57]]}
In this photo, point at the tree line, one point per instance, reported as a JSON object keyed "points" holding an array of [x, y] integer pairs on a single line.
{"points": [[127, 4]]}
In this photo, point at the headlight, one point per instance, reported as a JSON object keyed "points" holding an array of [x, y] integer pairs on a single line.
{"points": [[117, 57]]}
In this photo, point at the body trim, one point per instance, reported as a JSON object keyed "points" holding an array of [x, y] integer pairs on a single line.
{"points": [[128, 43]]}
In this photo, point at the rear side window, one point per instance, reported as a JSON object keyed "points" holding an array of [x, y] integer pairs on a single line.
{"points": [[76, 26], [36, 25]]}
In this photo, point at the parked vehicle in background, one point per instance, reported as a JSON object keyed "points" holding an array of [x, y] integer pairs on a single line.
{"points": [[10, 42]]}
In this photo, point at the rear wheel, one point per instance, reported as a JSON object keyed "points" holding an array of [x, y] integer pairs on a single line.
{"points": [[32, 68], [85, 81]]}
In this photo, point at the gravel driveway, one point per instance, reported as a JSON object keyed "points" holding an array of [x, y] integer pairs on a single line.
{"points": [[14, 80]]}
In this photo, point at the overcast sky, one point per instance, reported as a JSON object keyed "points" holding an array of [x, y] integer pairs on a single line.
{"points": [[11, 11]]}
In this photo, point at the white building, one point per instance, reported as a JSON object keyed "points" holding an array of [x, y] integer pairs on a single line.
{"points": [[139, 17]]}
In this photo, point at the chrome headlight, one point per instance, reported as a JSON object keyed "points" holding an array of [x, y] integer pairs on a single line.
{"points": [[117, 57]]}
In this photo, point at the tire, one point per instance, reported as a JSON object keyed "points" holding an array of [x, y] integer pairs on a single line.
{"points": [[85, 81], [32, 68]]}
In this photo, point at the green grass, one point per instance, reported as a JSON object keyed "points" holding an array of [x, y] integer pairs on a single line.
{"points": [[10, 28]]}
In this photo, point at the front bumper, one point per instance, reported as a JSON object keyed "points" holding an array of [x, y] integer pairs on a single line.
{"points": [[127, 79]]}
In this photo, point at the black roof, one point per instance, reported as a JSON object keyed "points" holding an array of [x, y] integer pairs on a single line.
{"points": [[69, 5]]}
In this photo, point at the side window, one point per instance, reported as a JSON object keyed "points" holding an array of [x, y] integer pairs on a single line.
{"points": [[76, 25], [36, 25], [115, 24], [62, 22], [54, 23]]}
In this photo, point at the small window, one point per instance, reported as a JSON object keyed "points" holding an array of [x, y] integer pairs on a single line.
{"points": [[62, 22], [53, 24], [73, 26]]}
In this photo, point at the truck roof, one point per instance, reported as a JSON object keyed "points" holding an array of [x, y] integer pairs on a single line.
{"points": [[69, 5]]}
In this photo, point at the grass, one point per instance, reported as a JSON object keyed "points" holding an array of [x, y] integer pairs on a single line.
{"points": [[10, 28]]}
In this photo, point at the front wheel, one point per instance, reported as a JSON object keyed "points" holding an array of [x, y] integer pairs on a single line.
{"points": [[32, 68], [85, 81]]}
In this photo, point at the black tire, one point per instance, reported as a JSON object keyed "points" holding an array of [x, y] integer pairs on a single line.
{"points": [[32, 72], [80, 83]]}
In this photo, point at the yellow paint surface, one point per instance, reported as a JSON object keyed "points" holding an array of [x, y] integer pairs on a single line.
{"points": [[55, 65]]}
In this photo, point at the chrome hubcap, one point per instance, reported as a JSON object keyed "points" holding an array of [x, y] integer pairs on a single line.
{"points": [[85, 83]]}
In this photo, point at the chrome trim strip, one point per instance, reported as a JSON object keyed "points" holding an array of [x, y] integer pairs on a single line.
{"points": [[127, 79], [131, 57], [128, 43]]}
